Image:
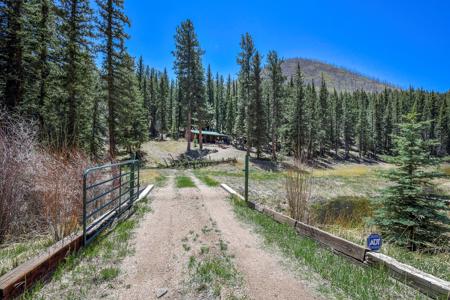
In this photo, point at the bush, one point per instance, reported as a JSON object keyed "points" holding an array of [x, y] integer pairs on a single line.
{"points": [[298, 190], [346, 211], [59, 188], [40, 190], [17, 143]]}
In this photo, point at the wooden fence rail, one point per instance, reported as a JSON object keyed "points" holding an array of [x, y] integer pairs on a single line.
{"points": [[427, 284]]}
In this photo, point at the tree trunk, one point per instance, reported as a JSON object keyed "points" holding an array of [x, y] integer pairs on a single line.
{"points": [[274, 143], [200, 137], [188, 129]]}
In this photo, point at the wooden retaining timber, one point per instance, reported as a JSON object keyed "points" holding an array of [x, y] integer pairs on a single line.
{"points": [[430, 285], [40, 268], [18, 280], [427, 284]]}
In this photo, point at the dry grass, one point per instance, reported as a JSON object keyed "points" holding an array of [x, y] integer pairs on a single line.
{"points": [[157, 151], [346, 211], [350, 170], [150, 176]]}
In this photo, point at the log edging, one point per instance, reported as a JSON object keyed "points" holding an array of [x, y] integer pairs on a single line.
{"points": [[428, 284]]}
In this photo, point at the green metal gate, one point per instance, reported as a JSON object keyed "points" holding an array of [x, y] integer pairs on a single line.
{"points": [[108, 191]]}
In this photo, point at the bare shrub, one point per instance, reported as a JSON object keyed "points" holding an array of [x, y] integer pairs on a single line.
{"points": [[60, 190], [39, 190], [17, 157], [299, 182]]}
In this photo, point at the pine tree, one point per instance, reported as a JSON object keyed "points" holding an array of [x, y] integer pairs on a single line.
{"points": [[245, 85], [276, 80], [140, 73], [235, 100], [162, 103], [217, 103], [112, 29], [95, 141], [3, 36], [324, 133], [176, 112], [189, 71], [170, 106], [131, 112], [298, 120], [378, 111], [348, 121], [336, 104], [153, 102], [46, 42], [146, 97], [314, 121], [76, 34], [256, 120], [210, 98], [363, 123], [201, 113], [443, 130], [222, 104], [13, 46], [413, 214], [230, 114], [388, 121]]}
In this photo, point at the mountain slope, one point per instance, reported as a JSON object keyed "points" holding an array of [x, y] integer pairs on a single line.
{"points": [[336, 77]]}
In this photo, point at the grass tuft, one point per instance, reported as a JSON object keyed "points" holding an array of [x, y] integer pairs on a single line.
{"points": [[184, 182], [109, 273], [213, 273], [206, 179]]}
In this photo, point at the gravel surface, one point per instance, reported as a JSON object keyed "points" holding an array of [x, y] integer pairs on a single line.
{"points": [[161, 259]]}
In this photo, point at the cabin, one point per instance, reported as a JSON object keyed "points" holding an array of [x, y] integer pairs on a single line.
{"points": [[211, 137]]}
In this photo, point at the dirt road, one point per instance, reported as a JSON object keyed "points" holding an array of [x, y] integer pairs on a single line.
{"points": [[161, 258]]}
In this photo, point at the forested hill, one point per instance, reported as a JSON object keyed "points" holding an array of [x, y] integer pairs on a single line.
{"points": [[336, 77]]}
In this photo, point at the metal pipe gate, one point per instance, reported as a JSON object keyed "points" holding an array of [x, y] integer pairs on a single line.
{"points": [[108, 191]]}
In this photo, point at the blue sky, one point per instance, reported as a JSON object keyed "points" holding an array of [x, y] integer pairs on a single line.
{"points": [[403, 42]]}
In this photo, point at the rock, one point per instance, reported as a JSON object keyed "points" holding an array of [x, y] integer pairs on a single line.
{"points": [[161, 292]]}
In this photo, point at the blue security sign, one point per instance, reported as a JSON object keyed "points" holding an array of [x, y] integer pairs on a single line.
{"points": [[374, 242]]}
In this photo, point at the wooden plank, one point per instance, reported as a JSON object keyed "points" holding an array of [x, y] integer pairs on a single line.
{"points": [[231, 191], [268, 212], [348, 248], [280, 218], [16, 281], [426, 283], [259, 207], [251, 204], [145, 192]]}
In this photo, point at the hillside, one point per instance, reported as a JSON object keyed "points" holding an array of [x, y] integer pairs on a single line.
{"points": [[336, 77]]}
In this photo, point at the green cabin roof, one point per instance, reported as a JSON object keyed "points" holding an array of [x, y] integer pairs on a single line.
{"points": [[206, 132]]}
